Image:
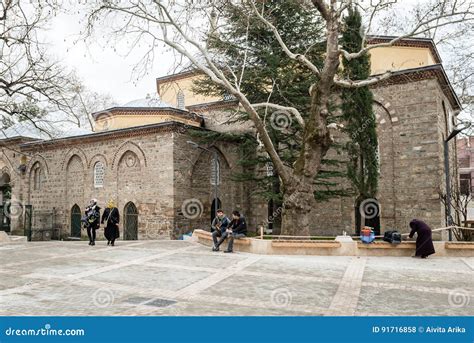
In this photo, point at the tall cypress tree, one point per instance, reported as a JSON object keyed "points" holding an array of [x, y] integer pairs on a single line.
{"points": [[362, 147], [248, 42]]}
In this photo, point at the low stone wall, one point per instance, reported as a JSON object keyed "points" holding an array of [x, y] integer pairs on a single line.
{"points": [[334, 248]]}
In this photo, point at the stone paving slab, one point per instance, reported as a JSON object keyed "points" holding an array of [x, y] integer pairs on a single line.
{"points": [[278, 292], [192, 260], [147, 276], [417, 277], [324, 266], [401, 303], [154, 278]]}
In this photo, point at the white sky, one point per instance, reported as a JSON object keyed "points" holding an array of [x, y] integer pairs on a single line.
{"points": [[100, 68]]}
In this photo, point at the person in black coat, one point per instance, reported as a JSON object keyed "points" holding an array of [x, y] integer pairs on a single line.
{"points": [[112, 216], [92, 218], [424, 241], [236, 229]]}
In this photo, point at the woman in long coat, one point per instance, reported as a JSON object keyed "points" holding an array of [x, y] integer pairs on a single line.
{"points": [[424, 242], [112, 216]]}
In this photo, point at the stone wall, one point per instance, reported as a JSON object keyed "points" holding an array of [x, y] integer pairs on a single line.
{"points": [[194, 192], [138, 169], [411, 128], [160, 173]]}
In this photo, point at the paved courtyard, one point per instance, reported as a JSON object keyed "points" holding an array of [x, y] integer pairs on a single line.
{"points": [[183, 278]]}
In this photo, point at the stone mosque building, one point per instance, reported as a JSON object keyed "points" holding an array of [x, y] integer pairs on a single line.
{"points": [[139, 155]]}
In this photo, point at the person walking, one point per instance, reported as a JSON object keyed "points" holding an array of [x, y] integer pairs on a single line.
{"points": [[424, 241], [92, 218], [111, 216]]}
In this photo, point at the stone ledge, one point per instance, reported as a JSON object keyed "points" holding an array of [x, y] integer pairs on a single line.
{"points": [[305, 244], [460, 245], [201, 234], [335, 248], [386, 245]]}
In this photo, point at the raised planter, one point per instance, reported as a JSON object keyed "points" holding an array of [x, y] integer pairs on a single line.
{"points": [[460, 245], [304, 244], [335, 248], [205, 236], [385, 245]]}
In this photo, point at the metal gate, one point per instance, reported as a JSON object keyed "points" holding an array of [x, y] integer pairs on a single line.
{"points": [[5, 217], [76, 216], [28, 220], [130, 231]]}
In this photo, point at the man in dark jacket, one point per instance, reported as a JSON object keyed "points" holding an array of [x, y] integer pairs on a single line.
{"points": [[218, 227], [237, 229]]}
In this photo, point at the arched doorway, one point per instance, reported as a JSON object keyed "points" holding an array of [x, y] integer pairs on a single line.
{"points": [[213, 208], [130, 228], [5, 197], [76, 216], [367, 213]]}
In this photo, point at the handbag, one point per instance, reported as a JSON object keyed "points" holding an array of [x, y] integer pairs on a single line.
{"points": [[367, 235], [110, 213], [393, 237]]}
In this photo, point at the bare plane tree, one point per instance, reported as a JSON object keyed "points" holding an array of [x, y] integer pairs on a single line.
{"points": [[34, 88], [183, 26], [460, 205]]}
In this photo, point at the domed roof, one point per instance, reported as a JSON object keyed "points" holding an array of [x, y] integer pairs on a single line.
{"points": [[149, 101]]}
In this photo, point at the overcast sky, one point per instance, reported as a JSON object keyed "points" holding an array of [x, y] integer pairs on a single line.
{"points": [[102, 69]]}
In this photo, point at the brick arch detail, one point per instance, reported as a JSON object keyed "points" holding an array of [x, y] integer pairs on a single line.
{"points": [[37, 159], [128, 146], [74, 151]]}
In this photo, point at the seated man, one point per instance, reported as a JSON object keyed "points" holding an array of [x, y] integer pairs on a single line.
{"points": [[237, 229], [219, 226]]}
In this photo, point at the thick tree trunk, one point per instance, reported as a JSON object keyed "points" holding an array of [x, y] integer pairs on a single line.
{"points": [[298, 202], [298, 198]]}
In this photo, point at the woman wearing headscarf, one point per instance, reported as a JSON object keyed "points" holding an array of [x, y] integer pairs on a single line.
{"points": [[112, 217], [92, 219], [424, 241]]}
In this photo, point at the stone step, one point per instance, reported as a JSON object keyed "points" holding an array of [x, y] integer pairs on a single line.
{"points": [[4, 237], [18, 238]]}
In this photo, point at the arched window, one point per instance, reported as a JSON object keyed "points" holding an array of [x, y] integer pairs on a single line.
{"points": [[37, 178], [99, 174], [180, 100], [215, 172]]}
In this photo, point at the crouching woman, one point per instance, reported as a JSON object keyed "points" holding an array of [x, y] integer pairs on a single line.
{"points": [[424, 241]]}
